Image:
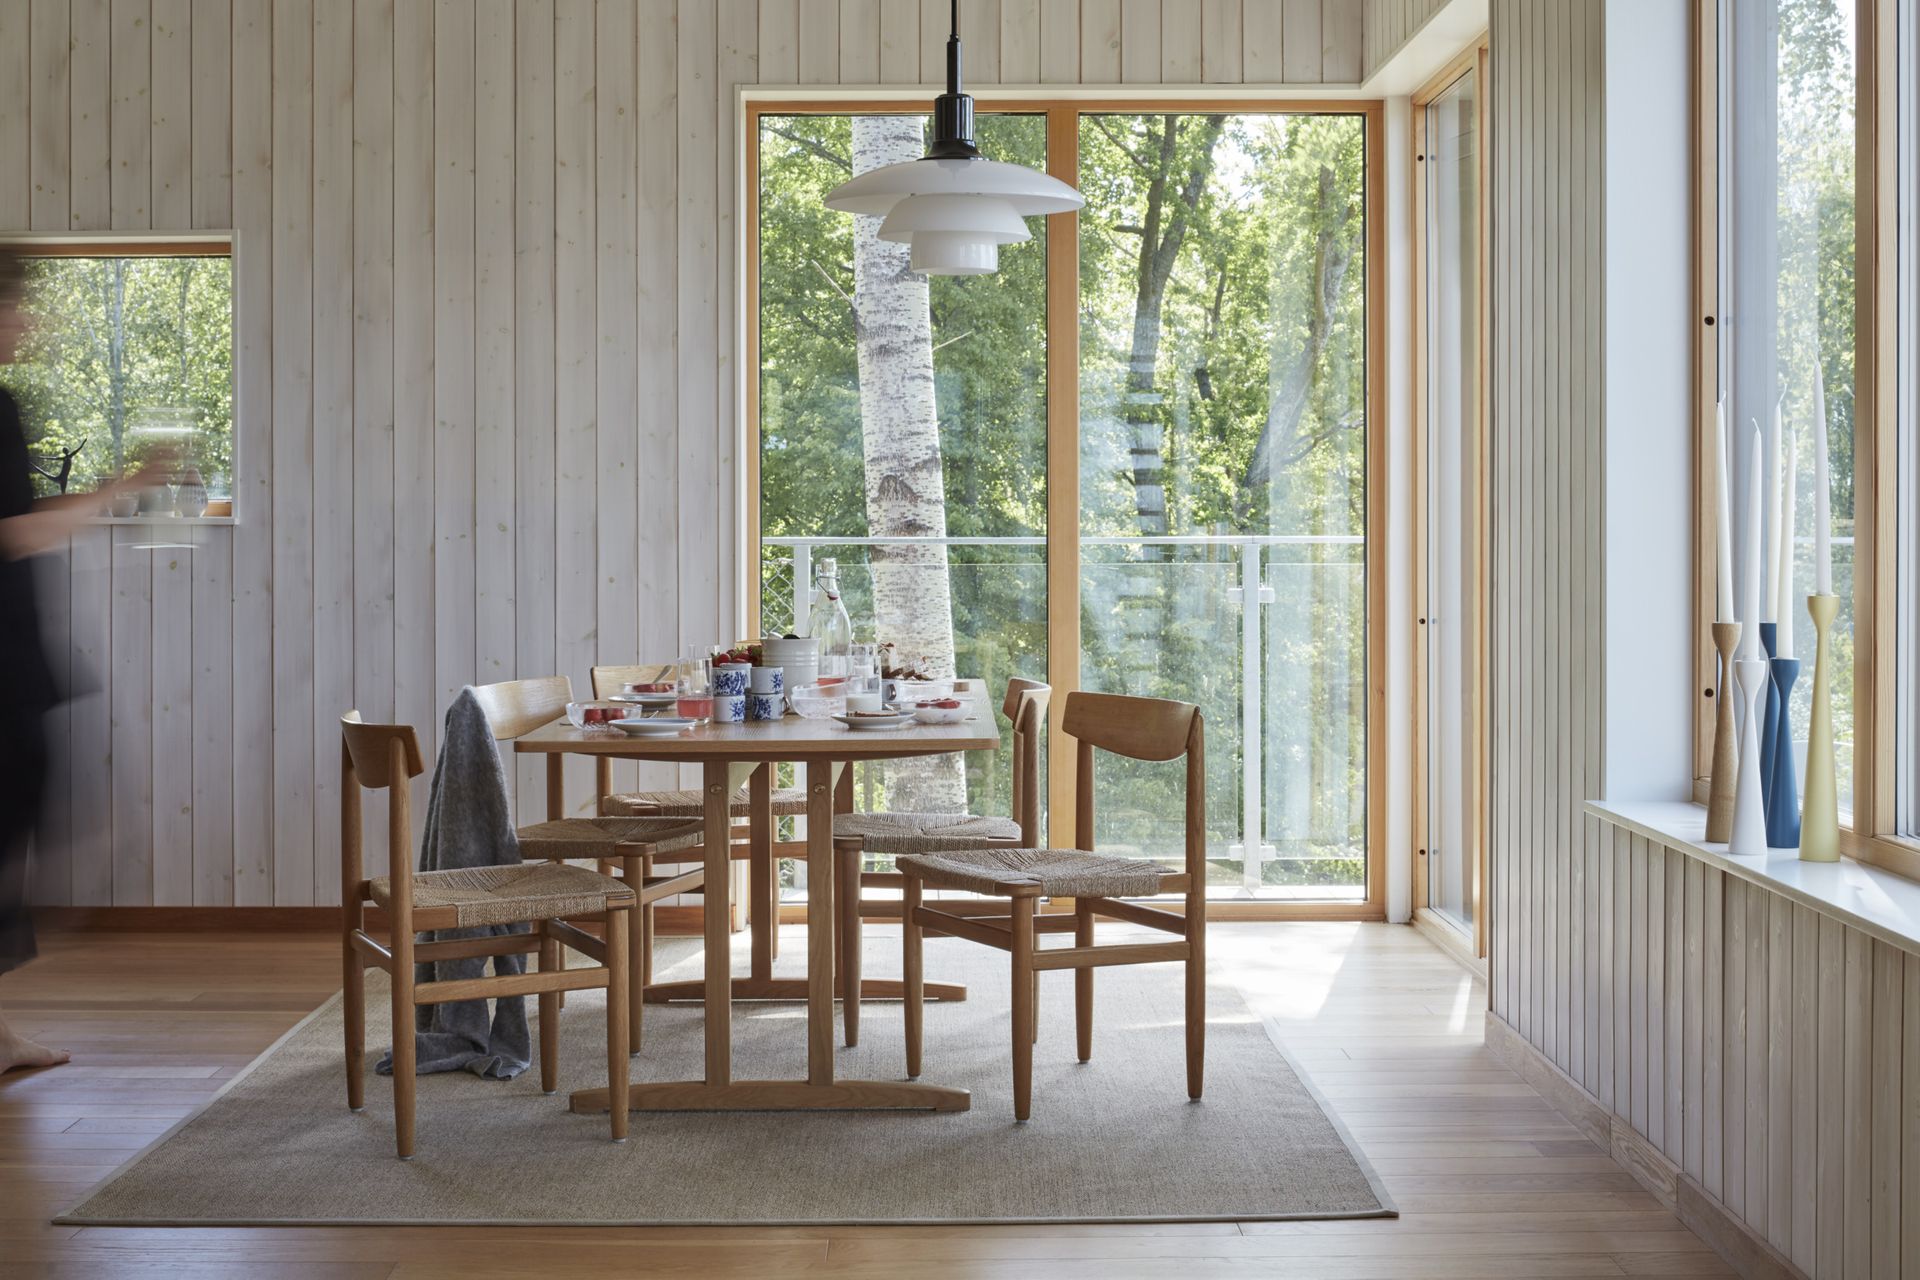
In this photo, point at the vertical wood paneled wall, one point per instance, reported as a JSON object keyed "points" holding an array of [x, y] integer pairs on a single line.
{"points": [[1546, 425], [1770, 1053], [1390, 24], [486, 257]]}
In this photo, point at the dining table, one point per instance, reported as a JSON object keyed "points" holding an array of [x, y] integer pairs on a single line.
{"points": [[732, 755]]}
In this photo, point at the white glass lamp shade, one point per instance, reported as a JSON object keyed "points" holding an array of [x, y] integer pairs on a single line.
{"points": [[954, 235], [1024, 190]]}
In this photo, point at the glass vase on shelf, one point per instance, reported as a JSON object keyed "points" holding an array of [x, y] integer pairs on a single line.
{"points": [[828, 622]]}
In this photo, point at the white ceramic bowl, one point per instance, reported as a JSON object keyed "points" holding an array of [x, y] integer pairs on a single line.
{"points": [[813, 702], [941, 715]]}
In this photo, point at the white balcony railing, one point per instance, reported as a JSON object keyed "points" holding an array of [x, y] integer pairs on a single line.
{"points": [[1242, 555]]}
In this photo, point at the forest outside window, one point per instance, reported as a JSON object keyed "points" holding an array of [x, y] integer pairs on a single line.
{"points": [[129, 355], [1134, 459]]}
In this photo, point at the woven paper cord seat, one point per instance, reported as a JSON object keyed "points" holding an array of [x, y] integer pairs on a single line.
{"points": [[509, 895], [788, 802], [926, 832], [602, 837], [1066, 873]]}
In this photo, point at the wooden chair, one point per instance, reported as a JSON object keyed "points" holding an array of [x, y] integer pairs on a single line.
{"points": [[628, 846], [1140, 729], [857, 834], [547, 897], [763, 911]]}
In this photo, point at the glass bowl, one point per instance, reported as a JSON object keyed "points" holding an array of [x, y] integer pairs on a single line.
{"points": [[582, 715], [815, 702]]}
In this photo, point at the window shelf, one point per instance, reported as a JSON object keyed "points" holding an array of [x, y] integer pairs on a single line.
{"points": [[1876, 902]]}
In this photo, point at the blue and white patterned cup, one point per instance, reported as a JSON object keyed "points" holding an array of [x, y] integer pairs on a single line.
{"points": [[730, 710], [730, 680], [767, 680], [766, 706]]}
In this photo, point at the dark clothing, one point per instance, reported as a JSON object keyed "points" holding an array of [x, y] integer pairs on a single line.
{"points": [[28, 689], [27, 692]]}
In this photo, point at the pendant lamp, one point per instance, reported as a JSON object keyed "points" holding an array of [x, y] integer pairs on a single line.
{"points": [[955, 207]]}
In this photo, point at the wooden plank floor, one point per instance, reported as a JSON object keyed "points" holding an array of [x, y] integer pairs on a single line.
{"points": [[1491, 1182]]}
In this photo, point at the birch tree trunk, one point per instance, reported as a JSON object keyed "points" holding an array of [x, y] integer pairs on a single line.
{"points": [[900, 440]]}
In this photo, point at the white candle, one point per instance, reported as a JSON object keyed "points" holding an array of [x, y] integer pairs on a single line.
{"points": [[1750, 606], [1783, 641], [1723, 576], [1822, 491], [863, 702], [1770, 531]]}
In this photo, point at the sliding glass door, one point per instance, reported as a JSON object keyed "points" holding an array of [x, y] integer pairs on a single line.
{"points": [[1159, 405]]}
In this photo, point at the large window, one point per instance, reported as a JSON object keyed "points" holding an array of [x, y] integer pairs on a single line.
{"points": [[1134, 459], [130, 351], [1814, 301]]}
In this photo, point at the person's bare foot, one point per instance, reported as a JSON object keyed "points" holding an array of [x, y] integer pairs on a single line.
{"points": [[19, 1053]]}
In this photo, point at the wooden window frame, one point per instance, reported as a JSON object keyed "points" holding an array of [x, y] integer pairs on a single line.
{"points": [[1870, 837], [1062, 425], [141, 244], [1471, 61]]}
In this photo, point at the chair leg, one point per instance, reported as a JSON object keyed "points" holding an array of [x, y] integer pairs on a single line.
{"points": [[847, 898], [646, 948], [772, 907], [634, 924], [549, 1015], [354, 1010], [914, 990], [1083, 982], [619, 981], [1023, 1008], [1196, 997], [404, 1061]]}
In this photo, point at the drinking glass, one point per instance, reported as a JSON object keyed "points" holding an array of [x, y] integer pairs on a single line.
{"points": [[693, 687]]}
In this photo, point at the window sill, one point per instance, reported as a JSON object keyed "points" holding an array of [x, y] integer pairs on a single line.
{"points": [[1876, 902], [169, 521]]}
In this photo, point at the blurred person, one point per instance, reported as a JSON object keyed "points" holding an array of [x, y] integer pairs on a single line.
{"points": [[28, 527]]}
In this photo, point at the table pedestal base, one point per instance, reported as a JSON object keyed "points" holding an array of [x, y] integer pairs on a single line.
{"points": [[780, 1095]]}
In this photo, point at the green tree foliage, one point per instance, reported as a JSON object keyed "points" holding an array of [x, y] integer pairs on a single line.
{"points": [[1243, 365], [114, 340]]}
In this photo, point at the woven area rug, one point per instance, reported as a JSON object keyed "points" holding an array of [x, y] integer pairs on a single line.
{"points": [[1113, 1140]]}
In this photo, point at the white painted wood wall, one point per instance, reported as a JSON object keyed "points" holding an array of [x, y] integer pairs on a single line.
{"points": [[487, 261], [1390, 24], [1770, 1053]]}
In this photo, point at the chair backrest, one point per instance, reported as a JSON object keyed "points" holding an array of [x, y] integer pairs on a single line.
{"points": [[1140, 729], [368, 751], [1026, 707], [514, 707], [608, 681], [377, 757]]}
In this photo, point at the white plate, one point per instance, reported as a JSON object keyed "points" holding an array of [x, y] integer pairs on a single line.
{"points": [[646, 699], [875, 722], [658, 726]]}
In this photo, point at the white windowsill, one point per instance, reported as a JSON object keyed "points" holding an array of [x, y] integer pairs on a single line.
{"points": [[1876, 902]]}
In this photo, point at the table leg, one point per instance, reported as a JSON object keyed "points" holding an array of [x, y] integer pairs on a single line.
{"points": [[820, 922], [556, 787], [714, 894], [761, 871]]}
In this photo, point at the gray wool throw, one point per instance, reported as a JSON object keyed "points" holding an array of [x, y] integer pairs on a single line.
{"points": [[470, 824]]}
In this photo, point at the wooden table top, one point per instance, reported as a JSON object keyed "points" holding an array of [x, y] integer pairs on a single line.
{"points": [[791, 738]]}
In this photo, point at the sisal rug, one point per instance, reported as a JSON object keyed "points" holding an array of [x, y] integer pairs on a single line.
{"points": [[1113, 1140]]}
